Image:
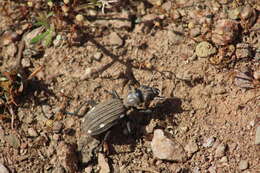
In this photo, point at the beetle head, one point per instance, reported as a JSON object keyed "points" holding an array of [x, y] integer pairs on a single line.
{"points": [[143, 94]]}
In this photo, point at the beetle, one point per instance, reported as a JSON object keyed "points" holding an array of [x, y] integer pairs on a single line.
{"points": [[106, 114]]}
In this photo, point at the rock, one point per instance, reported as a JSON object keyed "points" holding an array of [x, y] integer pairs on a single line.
{"points": [[102, 163], [26, 62], [13, 140], [8, 37], [243, 51], [156, 2], [256, 75], [47, 111], [191, 147], [115, 39], [32, 132], [165, 149], [3, 169], [248, 16], [225, 32], [209, 142], [212, 169], [58, 169], [97, 56], [10, 50], [88, 169], [257, 136], [57, 127], [87, 145], [87, 74], [243, 165], [220, 151], [67, 156], [205, 49], [194, 32], [150, 127], [234, 13]]}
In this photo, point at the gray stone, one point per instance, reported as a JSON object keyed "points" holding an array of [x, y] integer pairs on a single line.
{"points": [[165, 149], [243, 164], [257, 136], [209, 142], [205, 49]]}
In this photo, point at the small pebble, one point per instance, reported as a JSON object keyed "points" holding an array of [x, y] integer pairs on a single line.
{"points": [[191, 147], [209, 142], [256, 75], [3, 169], [205, 49], [26, 62], [58, 169], [97, 56], [57, 127], [243, 53], [257, 136], [32, 132], [115, 39], [220, 151], [212, 169], [103, 164], [243, 165]]}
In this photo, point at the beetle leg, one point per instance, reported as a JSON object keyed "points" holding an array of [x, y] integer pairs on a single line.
{"points": [[104, 145], [113, 93], [90, 102], [146, 111]]}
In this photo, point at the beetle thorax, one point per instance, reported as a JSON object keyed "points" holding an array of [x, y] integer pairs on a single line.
{"points": [[133, 99]]}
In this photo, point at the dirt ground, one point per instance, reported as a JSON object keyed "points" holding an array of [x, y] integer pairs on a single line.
{"points": [[156, 43]]}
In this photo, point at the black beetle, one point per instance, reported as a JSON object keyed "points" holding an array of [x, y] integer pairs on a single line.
{"points": [[108, 113]]}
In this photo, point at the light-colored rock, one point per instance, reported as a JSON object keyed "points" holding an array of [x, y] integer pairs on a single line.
{"points": [[220, 151], [103, 164], [165, 149], [115, 39], [191, 147], [209, 142], [32, 132], [243, 165], [3, 169], [205, 49]]}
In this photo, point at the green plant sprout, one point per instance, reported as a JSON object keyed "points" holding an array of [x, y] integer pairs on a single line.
{"points": [[47, 36]]}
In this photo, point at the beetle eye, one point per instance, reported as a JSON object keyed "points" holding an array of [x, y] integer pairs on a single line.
{"points": [[139, 94], [156, 91]]}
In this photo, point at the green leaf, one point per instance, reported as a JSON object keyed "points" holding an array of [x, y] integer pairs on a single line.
{"points": [[48, 39], [39, 37]]}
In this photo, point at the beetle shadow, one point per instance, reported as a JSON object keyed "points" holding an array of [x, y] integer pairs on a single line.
{"points": [[164, 111]]}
